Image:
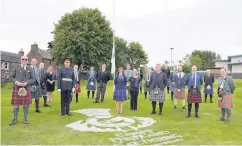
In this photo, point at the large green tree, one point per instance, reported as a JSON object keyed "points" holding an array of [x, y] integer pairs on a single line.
{"points": [[207, 58], [85, 36], [136, 55]]}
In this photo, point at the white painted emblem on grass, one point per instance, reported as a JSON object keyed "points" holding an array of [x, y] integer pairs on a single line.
{"points": [[101, 120]]}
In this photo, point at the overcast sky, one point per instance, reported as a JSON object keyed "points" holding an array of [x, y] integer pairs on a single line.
{"points": [[157, 24]]}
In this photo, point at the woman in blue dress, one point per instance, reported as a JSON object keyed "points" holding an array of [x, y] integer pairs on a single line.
{"points": [[91, 82], [120, 90]]}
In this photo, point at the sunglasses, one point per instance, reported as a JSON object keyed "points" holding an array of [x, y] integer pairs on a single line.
{"points": [[25, 59]]}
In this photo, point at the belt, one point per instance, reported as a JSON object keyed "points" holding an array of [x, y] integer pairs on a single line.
{"points": [[67, 79]]}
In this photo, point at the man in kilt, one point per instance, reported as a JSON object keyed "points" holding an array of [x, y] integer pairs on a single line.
{"points": [[158, 83], [208, 86], [140, 75], [44, 89], [66, 86], [194, 82], [77, 82], [180, 84], [128, 73], [225, 91], [38, 87], [22, 77], [91, 82]]}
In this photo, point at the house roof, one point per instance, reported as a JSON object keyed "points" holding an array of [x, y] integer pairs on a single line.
{"points": [[10, 57], [220, 60], [234, 56], [236, 63], [45, 54]]}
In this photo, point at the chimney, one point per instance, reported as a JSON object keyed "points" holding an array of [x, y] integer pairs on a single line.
{"points": [[21, 52], [34, 46]]}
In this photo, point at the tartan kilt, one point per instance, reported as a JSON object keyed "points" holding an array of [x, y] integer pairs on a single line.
{"points": [[18, 101], [179, 95], [38, 93], [227, 101], [159, 97], [120, 95], [194, 98], [78, 88]]}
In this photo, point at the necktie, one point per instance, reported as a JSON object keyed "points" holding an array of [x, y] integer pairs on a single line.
{"points": [[180, 75]]}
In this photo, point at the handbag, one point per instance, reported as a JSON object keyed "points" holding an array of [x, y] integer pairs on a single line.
{"points": [[22, 92], [33, 88], [208, 87], [156, 91], [91, 82], [194, 91], [147, 84], [220, 92]]}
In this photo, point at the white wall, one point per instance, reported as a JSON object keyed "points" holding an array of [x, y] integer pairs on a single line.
{"points": [[236, 59], [222, 64], [237, 68]]}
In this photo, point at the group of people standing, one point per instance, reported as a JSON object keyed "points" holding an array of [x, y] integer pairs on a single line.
{"points": [[32, 82]]}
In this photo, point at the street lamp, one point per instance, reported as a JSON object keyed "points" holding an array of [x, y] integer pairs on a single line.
{"points": [[171, 55]]}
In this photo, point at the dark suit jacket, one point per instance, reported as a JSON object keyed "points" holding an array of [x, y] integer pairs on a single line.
{"points": [[208, 81], [106, 77], [162, 79], [18, 74]]}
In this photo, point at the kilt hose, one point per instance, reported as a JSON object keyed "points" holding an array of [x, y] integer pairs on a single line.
{"points": [[194, 98], [227, 101], [18, 101], [179, 95], [160, 97], [38, 94]]}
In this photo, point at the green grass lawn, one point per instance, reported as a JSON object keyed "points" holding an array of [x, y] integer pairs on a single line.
{"points": [[49, 127]]}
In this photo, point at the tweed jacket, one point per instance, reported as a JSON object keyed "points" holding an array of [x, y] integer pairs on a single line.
{"points": [[22, 75], [162, 80], [180, 81], [228, 85]]}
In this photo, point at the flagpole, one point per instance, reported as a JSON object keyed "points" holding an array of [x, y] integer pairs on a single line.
{"points": [[114, 41]]}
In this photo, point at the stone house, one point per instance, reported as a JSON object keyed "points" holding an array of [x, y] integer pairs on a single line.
{"points": [[8, 62], [42, 56]]}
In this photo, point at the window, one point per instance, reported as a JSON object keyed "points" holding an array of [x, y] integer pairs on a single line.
{"points": [[5, 65]]}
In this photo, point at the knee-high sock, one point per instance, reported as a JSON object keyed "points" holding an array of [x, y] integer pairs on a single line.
{"points": [[37, 104], [145, 94], [228, 111], [211, 96], [223, 113], [175, 101], [45, 100], [183, 102], [168, 90], [206, 95], [88, 94], [196, 107], [153, 105], [189, 108], [93, 92], [25, 112], [172, 94], [161, 106], [15, 112], [76, 97]]}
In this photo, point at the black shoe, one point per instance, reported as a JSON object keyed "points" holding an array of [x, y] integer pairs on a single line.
{"points": [[68, 114], [174, 107], [196, 115], [160, 113], [183, 107], [101, 101], [26, 122], [227, 121], [188, 116], [221, 119], [46, 105], [211, 101], [96, 102], [153, 112], [205, 101], [38, 111], [62, 114], [13, 122]]}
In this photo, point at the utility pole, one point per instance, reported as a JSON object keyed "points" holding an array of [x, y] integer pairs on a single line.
{"points": [[171, 55]]}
